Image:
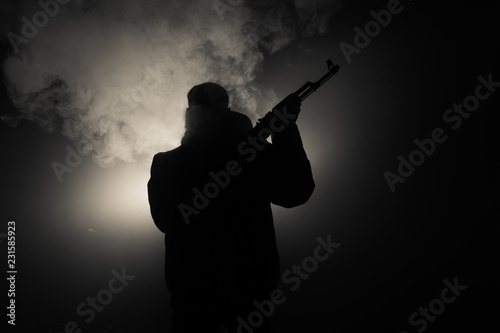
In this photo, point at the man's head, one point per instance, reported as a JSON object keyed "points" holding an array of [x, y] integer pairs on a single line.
{"points": [[208, 115], [209, 95], [206, 101]]}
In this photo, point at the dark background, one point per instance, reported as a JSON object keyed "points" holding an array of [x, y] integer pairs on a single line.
{"points": [[397, 248]]}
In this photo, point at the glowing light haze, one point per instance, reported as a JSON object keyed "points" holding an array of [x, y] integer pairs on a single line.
{"points": [[113, 75]]}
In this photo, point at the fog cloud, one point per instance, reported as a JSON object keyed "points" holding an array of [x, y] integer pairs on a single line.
{"points": [[114, 74]]}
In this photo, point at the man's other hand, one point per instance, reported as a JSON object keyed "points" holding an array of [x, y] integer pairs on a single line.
{"points": [[292, 104]]}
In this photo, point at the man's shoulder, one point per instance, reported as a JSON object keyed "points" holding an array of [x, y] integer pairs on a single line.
{"points": [[166, 155]]}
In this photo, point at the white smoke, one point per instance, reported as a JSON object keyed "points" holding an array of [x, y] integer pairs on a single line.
{"points": [[113, 75]]}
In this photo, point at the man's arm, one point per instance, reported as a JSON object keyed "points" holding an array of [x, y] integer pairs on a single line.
{"points": [[163, 194], [291, 181]]}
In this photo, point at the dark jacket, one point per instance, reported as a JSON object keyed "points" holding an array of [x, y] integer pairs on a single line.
{"points": [[229, 247]]}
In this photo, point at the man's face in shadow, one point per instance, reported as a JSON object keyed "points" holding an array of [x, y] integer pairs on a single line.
{"points": [[195, 117]]}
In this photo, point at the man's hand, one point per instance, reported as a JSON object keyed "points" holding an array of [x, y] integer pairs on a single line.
{"points": [[292, 105], [289, 109]]}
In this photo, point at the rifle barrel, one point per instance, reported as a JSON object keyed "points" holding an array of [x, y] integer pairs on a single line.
{"points": [[309, 87]]}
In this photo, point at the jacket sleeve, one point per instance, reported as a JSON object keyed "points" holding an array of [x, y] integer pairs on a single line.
{"points": [[290, 180], [163, 194]]}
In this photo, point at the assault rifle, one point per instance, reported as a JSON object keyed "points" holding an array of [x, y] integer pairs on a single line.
{"points": [[262, 128]]}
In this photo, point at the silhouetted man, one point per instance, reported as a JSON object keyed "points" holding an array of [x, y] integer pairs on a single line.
{"points": [[215, 211]]}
